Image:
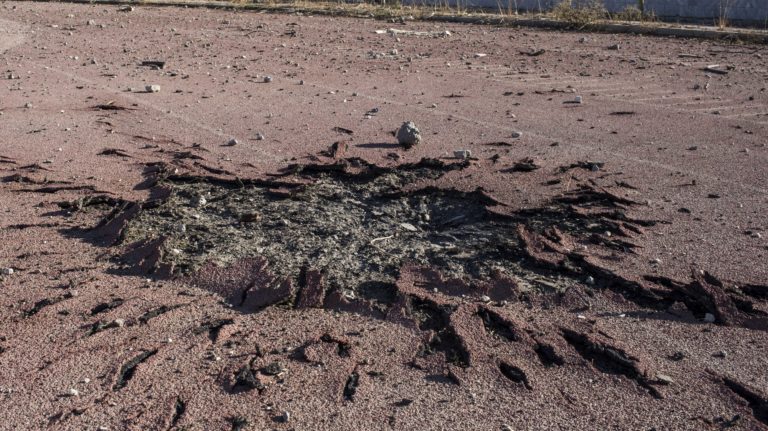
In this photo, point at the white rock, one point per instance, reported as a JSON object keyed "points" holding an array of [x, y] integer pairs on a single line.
{"points": [[480, 55], [517, 134], [267, 79], [73, 392], [664, 379], [408, 135], [154, 88], [462, 154], [485, 298], [7, 271], [408, 226], [709, 318], [232, 142]]}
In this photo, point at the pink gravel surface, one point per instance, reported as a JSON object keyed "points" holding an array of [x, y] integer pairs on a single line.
{"points": [[687, 147]]}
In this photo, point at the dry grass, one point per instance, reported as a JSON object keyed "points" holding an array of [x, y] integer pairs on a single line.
{"points": [[580, 15]]}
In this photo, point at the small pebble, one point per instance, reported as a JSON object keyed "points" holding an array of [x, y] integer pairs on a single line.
{"points": [[267, 79]]}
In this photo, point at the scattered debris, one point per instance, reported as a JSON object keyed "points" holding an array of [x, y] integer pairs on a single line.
{"points": [[398, 32], [524, 165], [128, 369], [155, 64], [351, 386], [713, 68], [533, 52], [343, 130]]}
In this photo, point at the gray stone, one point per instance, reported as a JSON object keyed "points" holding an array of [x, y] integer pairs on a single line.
{"points": [[709, 318], [462, 154], [408, 135], [154, 88]]}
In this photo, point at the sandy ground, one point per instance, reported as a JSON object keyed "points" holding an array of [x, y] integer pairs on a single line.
{"points": [[680, 146]]}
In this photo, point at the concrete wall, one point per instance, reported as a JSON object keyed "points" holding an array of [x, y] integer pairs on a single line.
{"points": [[755, 11]]}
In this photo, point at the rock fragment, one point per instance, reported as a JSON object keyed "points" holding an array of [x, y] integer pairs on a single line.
{"points": [[408, 135], [462, 154], [664, 379], [154, 88]]}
